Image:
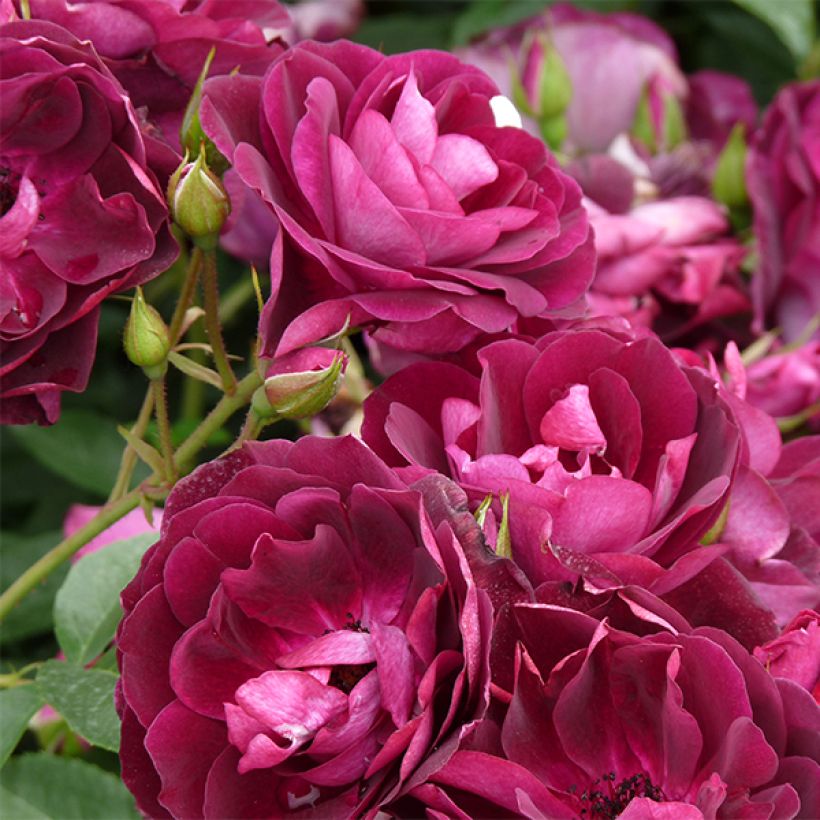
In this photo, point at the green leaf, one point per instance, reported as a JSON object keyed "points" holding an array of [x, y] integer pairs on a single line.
{"points": [[792, 22], [65, 789], [17, 706], [85, 698], [83, 447], [13, 806], [87, 606], [32, 616]]}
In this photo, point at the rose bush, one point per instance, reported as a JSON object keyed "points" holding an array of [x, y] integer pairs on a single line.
{"points": [[401, 204], [603, 723], [82, 216], [783, 179], [306, 633]]}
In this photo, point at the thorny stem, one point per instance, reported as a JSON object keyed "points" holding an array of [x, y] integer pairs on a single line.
{"points": [[164, 426], [210, 290], [186, 295]]}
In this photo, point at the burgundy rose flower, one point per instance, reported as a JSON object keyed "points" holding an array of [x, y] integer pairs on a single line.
{"points": [[306, 633], [783, 179], [81, 216], [401, 204], [603, 723], [617, 462], [157, 48]]}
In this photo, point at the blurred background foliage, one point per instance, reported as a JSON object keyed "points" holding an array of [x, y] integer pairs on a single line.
{"points": [[44, 470], [767, 42]]}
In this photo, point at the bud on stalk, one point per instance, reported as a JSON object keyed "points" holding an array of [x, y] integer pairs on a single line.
{"points": [[300, 385], [146, 340], [198, 201]]}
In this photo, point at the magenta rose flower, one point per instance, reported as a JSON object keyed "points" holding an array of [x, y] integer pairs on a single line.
{"points": [[604, 723], [82, 216], [783, 179], [306, 635], [617, 462], [782, 381], [795, 654], [670, 264], [402, 205]]}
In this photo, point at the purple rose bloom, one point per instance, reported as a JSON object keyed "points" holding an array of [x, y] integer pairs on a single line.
{"points": [[617, 461], [603, 723], [783, 179], [81, 215], [306, 633], [401, 204]]}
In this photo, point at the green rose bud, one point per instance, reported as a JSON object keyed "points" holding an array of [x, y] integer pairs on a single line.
{"points": [[146, 340], [729, 183], [301, 385], [198, 201]]}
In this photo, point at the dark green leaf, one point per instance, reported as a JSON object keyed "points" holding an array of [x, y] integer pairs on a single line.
{"points": [[66, 789], [87, 606], [85, 698], [83, 447], [17, 706], [792, 22], [483, 15], [32, 616], [404, 32]]}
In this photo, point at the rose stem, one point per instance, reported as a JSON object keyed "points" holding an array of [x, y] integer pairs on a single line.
{"points": [[129, 455], [210, 289]]}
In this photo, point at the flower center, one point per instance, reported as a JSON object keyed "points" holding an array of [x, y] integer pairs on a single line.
{"points": [[9, 185], [345, 676], [606, 800]]}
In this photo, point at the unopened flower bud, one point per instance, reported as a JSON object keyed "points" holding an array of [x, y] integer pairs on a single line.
{"points": [[146, 339], [199, 202], [543, 90], [659, 122], [300, 385], [191, 135], [728, 183]]}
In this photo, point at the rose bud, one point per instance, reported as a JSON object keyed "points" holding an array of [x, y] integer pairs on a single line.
{"points": [[146, 340], [199, 202], [728, 184], [544, 90], [301, 384]]}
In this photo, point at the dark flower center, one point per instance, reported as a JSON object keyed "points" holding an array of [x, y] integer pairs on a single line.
{"points": [[606, 800], [346, 677], [9, 184]]}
